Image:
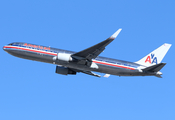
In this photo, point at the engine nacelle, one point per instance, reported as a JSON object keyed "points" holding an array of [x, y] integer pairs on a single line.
{"points": [[64, 71], [63, 57]]}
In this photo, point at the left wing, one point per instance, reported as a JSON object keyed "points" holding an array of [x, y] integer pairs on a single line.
{"points": [[94, 51], [91, 73], [86, 72]]}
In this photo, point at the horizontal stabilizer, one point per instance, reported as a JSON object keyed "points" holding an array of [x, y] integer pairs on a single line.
{"points": [[155, 68], [159, 76]]}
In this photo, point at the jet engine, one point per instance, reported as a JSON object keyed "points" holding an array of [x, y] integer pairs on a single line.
{"points": [[64, 71], [63, 57]]}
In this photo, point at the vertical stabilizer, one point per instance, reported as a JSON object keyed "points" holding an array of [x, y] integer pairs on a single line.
{"points": [[155, 57]]}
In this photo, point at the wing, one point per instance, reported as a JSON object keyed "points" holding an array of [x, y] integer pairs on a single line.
{"points": [[85, 56], [94, 51]]}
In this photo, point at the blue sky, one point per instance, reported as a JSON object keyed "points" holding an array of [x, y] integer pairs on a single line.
{"points": [[32, 91]]}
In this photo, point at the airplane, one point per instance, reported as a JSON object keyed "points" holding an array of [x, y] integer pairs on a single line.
{"points": [[88, 60]]}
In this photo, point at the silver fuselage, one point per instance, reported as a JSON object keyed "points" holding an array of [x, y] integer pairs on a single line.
{"points": [[46, 54]]}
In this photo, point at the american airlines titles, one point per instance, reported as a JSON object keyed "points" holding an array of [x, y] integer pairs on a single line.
{"points": [[37, 46]]}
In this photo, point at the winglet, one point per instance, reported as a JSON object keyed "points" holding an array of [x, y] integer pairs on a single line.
{"points": [[115, 34]]}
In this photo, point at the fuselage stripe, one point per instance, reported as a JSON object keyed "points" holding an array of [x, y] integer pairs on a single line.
{"points": [[113, 65]]}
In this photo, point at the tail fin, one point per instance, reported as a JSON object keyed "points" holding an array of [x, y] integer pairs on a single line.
{"points": [[155, 57]]}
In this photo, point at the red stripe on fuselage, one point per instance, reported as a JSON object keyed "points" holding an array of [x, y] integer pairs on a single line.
{"points": [[113, 65], [55, 54], [27, 49]]}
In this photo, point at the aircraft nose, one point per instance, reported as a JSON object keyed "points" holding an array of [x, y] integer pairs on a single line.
{"points": [[4, 48]]}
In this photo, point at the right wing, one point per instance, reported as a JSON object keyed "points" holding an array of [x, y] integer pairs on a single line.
{"points": [[85, 57]]}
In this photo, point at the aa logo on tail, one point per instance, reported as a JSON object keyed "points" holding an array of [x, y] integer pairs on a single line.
{"points": [[151, 58]]}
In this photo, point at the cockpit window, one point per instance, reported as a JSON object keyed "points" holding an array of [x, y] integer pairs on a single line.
{"points": [[10, 44], [15, 43]]}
